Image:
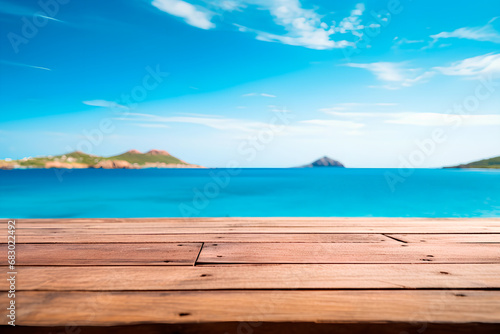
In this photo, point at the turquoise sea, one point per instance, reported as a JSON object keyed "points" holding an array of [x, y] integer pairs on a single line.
{"points": [[320, 192]]}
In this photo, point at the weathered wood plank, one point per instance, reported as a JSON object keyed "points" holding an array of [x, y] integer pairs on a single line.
{"points": [[348, 253], [207, 237], [308, 276], [104, 254], [114, 308], [269, 328], [227, 224], [266, 221], [449, 238], [395, 229]]}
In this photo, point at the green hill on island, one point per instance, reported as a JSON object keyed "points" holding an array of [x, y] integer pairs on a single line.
{"points": [[485, 163], [77, 159], [153, 156]]}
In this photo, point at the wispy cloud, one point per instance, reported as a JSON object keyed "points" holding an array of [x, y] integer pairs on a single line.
{"points": [[352, 114], [395, 73], [11, 8], [383, 70], [355, 105], [48, 18], [334, 123], [228, 5], [479, 65], [399, 42], [215, 122], [152, 125], [11, 63], [258, 94], [196, 16], [486, 33], [104, 104], [437, 119], [420, 119]]}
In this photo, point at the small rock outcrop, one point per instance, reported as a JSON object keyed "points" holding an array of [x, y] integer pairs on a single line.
{"points": [[325, 162]]}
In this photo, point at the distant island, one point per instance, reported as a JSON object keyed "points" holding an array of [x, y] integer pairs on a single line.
{"points": [[135, 159], [325, 162], [485, 163], [132, 159]]}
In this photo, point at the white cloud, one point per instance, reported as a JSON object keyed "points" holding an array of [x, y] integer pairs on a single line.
{"points": [[331, 109], [410, 118], [211, 121], [229, 5], [334, 123], [361, 104], [436, 119], [421, 119], [354, 105], [385, 104], [357, 114], [304, 27], [152, 125], [395, 73], [408, 82], [488, 63], [383, 70], [193, 15], [104, 104], [352, 23], [403, 41], [486, 33], [278, 109], [258, 94]]}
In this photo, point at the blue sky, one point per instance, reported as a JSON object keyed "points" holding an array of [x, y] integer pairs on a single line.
{"points": [[273, 83]]}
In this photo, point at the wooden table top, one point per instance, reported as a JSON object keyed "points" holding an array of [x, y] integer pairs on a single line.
{"points": [[255, 272]]}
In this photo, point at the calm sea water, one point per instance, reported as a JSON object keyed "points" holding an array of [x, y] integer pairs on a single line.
{"points": [[317, 192]]}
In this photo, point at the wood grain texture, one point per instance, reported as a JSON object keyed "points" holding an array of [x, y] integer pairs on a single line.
{"points": [[104, 254], [44, 308], [281, 221], [334, 225], [283, 276], [207, 237], [348, 253], [267, 328], [138, 231], [449, 238], [102, 272]]}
